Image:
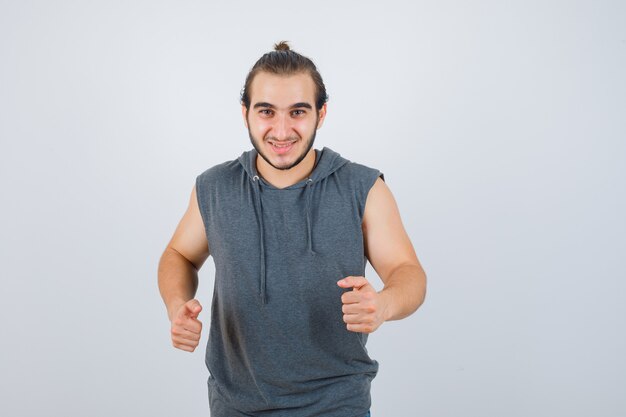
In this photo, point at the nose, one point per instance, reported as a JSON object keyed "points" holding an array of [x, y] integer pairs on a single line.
{"points": [[282, 127]]}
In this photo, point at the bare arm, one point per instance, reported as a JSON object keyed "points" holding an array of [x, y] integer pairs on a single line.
{"points": [[183, 257], [389, 250]]}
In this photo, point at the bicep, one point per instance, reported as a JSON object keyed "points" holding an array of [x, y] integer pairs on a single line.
{"points": [[190, 237], [387, 244]]}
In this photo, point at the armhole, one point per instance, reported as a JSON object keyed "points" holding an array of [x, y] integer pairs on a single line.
{"points": [[368, 183], [200, 199]]}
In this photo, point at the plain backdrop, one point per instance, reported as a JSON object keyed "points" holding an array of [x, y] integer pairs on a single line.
{"points": [[500, 127]]}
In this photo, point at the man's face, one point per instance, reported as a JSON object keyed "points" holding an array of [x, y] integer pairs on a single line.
{"points": [[282, 119]]}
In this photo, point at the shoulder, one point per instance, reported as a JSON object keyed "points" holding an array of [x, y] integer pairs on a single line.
{"points": [[212, 181], [361, 179], [363, 175], [224, 173], [220, 170]]}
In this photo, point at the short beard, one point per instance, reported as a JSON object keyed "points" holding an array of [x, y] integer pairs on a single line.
{"points": [[308, 147]]}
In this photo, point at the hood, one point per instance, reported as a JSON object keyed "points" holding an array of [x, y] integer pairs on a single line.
{"points": [[327, 162]]}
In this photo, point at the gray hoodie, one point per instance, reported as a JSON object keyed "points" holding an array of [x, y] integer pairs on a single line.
{"points": [[278, 345]]}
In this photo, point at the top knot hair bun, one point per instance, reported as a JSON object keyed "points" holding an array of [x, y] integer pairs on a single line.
{"points": [[284, 61], [281, 46]]}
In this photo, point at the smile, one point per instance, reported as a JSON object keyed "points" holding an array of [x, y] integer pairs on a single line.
{"points": [[281, 147], [281, 144]]}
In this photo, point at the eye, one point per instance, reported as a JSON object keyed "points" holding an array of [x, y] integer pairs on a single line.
{"points": [[298, 112], [266, 112]]}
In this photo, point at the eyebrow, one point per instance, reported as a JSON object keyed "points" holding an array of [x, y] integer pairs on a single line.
{"points": [[293, 106]]}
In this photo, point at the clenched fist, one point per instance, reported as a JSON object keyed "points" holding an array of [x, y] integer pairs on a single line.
{"points": [[363, 308], [186, 327]]}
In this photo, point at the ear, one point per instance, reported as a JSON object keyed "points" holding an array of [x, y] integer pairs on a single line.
{"points": [[322, 116], [244, 113]]}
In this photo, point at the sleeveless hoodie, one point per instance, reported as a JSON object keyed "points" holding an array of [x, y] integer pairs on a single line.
{"points": [[278, 345]]}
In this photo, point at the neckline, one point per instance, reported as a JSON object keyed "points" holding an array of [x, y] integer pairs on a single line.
{"points": [[299, 184]]}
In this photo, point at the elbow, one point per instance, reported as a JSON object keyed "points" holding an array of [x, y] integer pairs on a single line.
{"points": [[421, 289], [173, 252]]}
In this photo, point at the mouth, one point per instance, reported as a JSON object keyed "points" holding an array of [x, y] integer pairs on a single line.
{"points": [[281, 147]]}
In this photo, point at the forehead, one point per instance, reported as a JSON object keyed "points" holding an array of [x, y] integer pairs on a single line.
{"points": [[282, 90]]}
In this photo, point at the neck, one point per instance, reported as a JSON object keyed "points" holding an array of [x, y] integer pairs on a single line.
{"points": [[281, 178]]}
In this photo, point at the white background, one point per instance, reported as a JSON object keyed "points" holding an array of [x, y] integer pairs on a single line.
{"points": [[500, 127]]}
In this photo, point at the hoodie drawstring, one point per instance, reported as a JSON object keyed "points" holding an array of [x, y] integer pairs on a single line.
{"points": [[327, 162], [257, 194], [307, 190]]}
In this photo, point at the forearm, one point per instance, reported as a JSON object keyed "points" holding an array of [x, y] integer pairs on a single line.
{"points": [[405, 290], [177, 279]]}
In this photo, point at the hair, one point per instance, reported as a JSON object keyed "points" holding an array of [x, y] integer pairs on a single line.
{"points": [[283, 61]]}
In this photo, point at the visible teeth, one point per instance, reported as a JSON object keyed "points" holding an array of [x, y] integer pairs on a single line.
{"points": [[281, 146]]}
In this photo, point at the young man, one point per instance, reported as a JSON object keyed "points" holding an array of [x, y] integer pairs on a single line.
{"points": [[290, 229]]}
